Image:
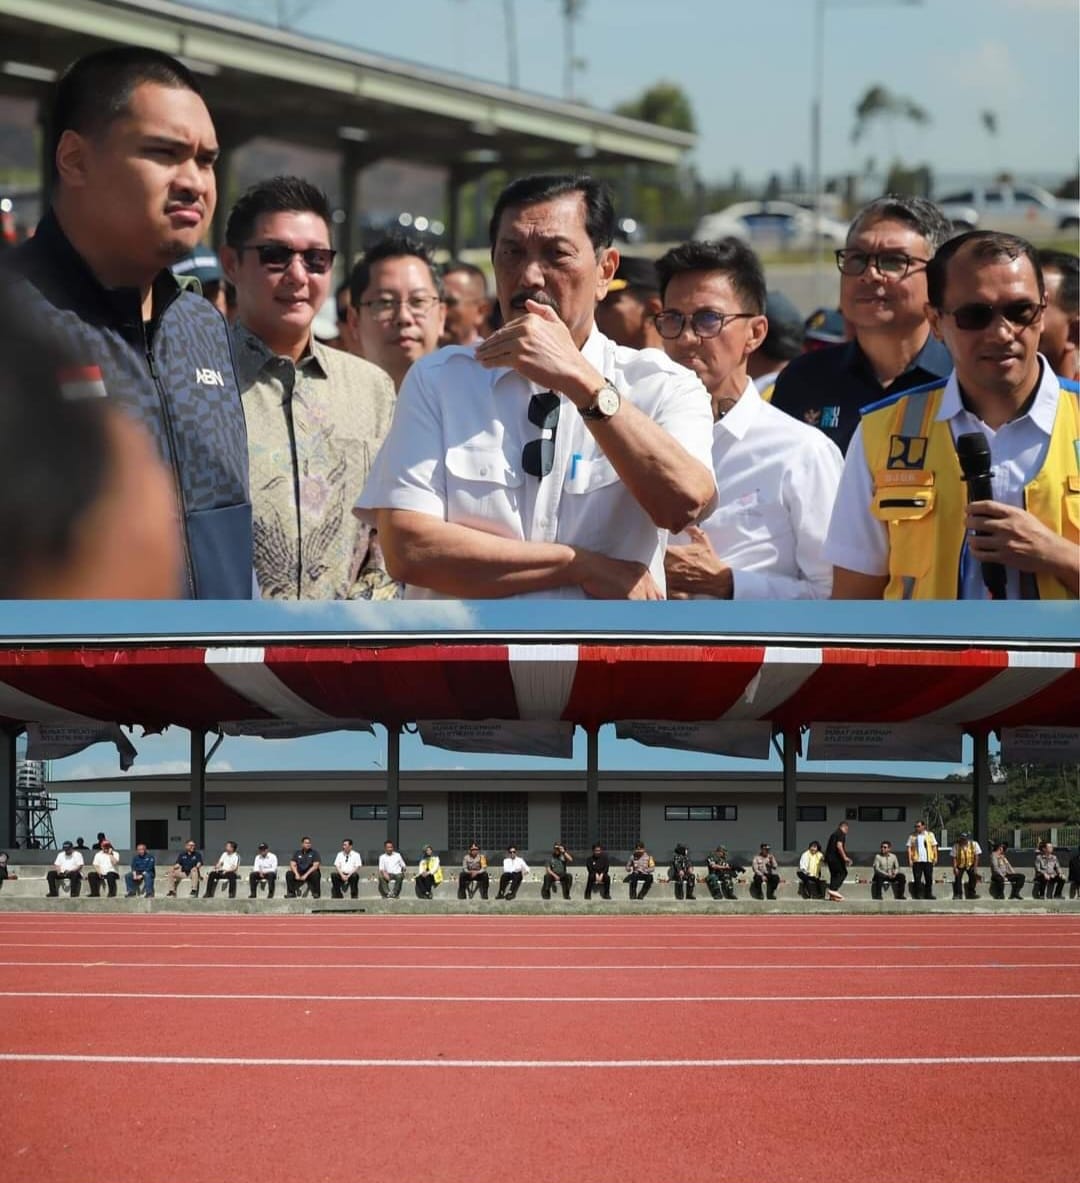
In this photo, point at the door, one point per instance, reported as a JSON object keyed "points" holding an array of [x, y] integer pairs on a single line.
{"points": [[152, 831]]}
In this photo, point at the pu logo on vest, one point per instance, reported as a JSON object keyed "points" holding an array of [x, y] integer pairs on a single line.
{"points": [[906, 451], [208, 377]]}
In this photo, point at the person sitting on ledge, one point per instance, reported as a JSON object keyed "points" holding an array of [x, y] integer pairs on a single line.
{"points": [[428, 874], [682, 873], [811, 883], [766, 873], [887, 871], [640, 866], [514, 870], [720, 879], [1000, 871], [474, 874]]}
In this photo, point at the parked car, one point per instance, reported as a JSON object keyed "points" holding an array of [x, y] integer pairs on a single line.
{"points": [[777, 225], [1022, 209]]}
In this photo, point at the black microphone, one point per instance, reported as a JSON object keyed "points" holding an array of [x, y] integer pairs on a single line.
{"points": [[973, 452]]}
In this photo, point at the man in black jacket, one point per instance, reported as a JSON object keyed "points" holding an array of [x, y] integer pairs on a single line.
{"points": [[133, 191]]}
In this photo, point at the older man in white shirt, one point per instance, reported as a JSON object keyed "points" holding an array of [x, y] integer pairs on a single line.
{"points": [[346, 872], [264, 868], [67, 867], [776, 477], [104, 869], [391, 872], [227, 867], [546, 460]]}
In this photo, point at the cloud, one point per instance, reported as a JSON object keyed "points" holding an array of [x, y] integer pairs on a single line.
{"points": [[987, 67]]}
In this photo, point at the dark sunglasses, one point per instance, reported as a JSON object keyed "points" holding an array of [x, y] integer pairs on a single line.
{"points": [[538, 456], [975, 317], [706, 322], [276, 256]]}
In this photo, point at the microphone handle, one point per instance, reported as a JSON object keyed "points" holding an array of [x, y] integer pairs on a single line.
{"points": [[980, 488]]}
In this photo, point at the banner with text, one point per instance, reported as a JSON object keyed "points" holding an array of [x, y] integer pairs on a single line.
{"points": [[1040, 745], [939, 742], [500, 737], [749, 740], [53, 741]]}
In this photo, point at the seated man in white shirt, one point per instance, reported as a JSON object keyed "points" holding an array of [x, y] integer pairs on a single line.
{"points": [[391, 872], [227, 868], [67, 867], [546, 460], [346, 872], [264, 869], [515, 868], [104, 869], [776, 477], [904, 526]]}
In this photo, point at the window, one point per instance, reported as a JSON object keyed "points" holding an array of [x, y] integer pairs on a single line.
{"points": [[491, 819], [701, 813], [211, 813], [806, 813], [620, 821], [882, 813], [379, 813]]}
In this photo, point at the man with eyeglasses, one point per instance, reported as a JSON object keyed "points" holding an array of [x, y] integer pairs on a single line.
{"points": [[132, 154], [397, 310], [776, 477], [883, 299], [545, 460], [316, 416], [465, 298], [903, 527]]}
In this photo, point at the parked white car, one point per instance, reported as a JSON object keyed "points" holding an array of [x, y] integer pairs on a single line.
{"points": [[778, 225], [1027, 210]]}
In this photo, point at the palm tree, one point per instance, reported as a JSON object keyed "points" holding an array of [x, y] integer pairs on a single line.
{"points": [[880, 105]]}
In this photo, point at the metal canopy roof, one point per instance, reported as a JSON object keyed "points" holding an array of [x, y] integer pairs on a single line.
{"points": [[263, 81]]}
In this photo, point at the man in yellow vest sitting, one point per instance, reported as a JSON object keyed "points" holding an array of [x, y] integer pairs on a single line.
{"points": [[902, 527]]}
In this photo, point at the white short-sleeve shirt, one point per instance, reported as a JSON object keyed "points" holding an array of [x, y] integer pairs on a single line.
{"points": [[65, 863], [228, 863], [776, 479], [346, 864], [455, 452], [860, 542], [392, 864], [515, 865], [264, 864]]}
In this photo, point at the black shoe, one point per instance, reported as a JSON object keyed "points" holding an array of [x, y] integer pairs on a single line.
{"points": [[501, 896]]}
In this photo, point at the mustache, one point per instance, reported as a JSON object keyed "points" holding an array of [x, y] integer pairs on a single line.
{"points": [[537, 295]]}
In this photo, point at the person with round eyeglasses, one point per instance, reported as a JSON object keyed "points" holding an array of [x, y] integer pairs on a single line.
{"points": [[882, 298], [905, 524]]}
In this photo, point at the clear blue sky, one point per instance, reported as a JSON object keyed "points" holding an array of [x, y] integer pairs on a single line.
{"points": [[169, 752], [747, 69]]}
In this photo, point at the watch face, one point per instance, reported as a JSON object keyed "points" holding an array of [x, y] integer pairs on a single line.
{"points": [[607, 401]]}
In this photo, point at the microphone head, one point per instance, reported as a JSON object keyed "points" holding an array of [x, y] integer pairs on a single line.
{"points": [[973, 452]]}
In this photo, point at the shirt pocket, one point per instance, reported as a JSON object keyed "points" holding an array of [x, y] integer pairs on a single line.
{"points": [[909, 512], [482, 488], [585, 476]]}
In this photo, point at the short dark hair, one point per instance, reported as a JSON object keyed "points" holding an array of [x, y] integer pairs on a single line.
{"points": [[919, 213], [277, 195], [734, 258], [1068, 296], [985, 245], [390, 246], [95, 91], [459, 267], [531, 190], [55, 452]]}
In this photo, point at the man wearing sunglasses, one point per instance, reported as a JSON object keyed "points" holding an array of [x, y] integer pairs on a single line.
{"points": [[776, 477], [133, 191], [316, 416], [883, 300], [902, 527], [545, 460]]}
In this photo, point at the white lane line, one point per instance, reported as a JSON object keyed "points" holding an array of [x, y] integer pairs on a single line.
{"points": [[314, 1062], [427, 999], [459, 966]]}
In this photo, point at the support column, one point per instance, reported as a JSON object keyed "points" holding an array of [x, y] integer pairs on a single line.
{"points": [[347, 237], [454, 183], [7, 787], [393, 783], [791, 790], [198, 788], [592, 786], [223, 171], [981, 790]]}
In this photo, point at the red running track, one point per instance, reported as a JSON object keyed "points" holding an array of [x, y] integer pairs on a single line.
{"points": [[446, 1048]]}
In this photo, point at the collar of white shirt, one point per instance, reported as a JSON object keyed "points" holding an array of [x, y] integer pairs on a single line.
{"points": [[738, 421], [1042, 412]]}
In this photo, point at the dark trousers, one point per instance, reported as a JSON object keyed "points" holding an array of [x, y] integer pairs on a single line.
{"points": [[770, 882], [293, 883], [267, 877], [94, 879], [684, 888], [338, 884], [878, 883], [1041, 888], [639, 877], [565, 880], [509, 882], [811, 887], [425, 886], [837, 875], [720, 886], [469, 884], [922, 881], [212, 881], [958, 883], [997, 886], [604, 885], [73, 877]]}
